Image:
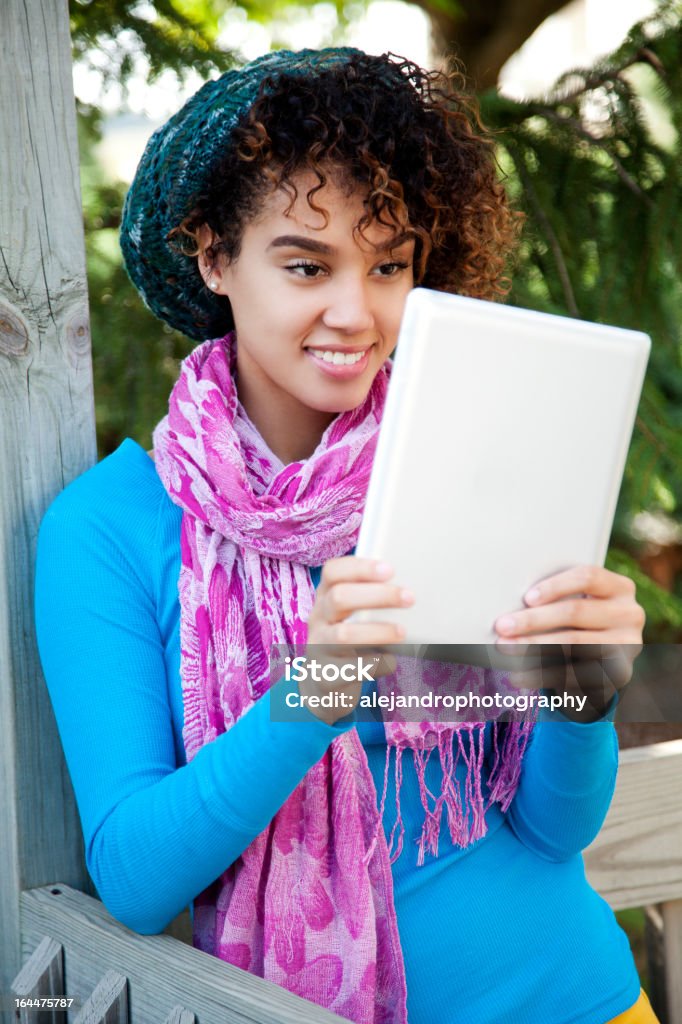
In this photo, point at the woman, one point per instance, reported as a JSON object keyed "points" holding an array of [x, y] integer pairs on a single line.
{"points": [[285, 212]]}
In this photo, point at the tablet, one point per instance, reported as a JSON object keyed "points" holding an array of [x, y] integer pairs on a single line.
{"points": [[499, 460]]}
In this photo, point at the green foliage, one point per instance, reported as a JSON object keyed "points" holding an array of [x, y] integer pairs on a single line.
{"points": [[135, 357], [595, 168], [176, 34]]}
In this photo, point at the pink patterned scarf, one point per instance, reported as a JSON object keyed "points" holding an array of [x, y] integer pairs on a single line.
{"points": [[310, 908]]}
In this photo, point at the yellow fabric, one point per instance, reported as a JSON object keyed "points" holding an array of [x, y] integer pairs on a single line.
{"points": [[640, 1013]]}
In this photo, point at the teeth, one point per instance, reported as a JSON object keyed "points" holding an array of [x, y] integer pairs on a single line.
{"points": [[338, 358]]}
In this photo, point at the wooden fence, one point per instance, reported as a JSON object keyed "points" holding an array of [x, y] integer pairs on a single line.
{"points": [[68, 944], [47, 436], [137, 978]]}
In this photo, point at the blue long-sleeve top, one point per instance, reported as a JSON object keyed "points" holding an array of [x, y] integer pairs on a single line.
{"points": [[505, 931]]}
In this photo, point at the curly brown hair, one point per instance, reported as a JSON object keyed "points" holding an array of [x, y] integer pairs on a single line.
{"points": [[411, 138]]}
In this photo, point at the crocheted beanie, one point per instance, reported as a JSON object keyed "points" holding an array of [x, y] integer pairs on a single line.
{"points": [[175, 169]]}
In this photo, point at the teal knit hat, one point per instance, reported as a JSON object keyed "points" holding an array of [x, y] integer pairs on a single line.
{"points": [[175, 169]]}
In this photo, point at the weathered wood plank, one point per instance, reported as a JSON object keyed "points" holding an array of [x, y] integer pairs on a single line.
{"points": [[179, 1015], [41, 975], [672, 944], [637, 857], [161, 971], [108, 1004], [46, 432]]}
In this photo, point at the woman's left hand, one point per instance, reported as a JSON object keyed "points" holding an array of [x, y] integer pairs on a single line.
{"points": [[581, 609]]}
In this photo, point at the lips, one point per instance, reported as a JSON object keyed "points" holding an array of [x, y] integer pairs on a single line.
{"points": [[341, 371], [338, 358], [344, 349]]}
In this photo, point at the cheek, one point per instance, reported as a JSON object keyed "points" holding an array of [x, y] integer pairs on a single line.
{"points": [[394, 320], [398, 304], [295, 306]]}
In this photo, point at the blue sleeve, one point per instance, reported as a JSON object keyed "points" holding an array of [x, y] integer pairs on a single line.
{"points": [[155, 834], [567, 782]]}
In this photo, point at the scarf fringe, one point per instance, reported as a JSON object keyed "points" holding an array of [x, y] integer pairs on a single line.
{"points": [[465, 818], [506, 771]]}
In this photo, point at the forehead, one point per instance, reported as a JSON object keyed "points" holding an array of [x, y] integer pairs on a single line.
{"points": [[341, 199]]}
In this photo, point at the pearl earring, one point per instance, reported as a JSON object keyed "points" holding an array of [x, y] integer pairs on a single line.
{"points": [[213, 285]]}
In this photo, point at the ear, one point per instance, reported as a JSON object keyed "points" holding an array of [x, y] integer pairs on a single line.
{"points": [[210, 270]]}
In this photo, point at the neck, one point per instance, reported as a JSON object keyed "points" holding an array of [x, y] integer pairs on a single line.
{"points": [[290, 430]]}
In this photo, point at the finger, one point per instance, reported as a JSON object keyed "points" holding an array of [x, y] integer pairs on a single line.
{"points": [[584, 665], [588, 678], [342, 599], [611, 672], [580, 579], [618, 649], [567, 636], [532, 679], [368, 633], [352, 570], [550, 673], [574, 613]]}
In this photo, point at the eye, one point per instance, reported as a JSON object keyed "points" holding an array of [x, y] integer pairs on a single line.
{"points": [[392, 269], [306, 269]]}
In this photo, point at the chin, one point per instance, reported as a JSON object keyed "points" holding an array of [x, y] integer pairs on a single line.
{"points": [[351, 401]]}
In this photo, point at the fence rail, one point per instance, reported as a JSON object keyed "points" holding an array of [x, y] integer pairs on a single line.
{"points": [[117, 977], [637, 857], [162, 973]]}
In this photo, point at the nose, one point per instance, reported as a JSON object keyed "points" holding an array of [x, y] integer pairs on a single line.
{"points": [[349, 307]]}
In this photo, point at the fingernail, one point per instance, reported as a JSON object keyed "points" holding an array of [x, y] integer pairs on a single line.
{"points": [[506, 624], [383, 569], [532, 596], [406, 596]]}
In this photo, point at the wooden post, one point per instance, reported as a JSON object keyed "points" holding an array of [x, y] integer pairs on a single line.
{"points": [[108, 1004], [47, 434], [42, 976], [672, 944]]}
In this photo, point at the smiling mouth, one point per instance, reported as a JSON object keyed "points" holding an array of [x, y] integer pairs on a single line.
{"points": [[339, 363], [339, 357]]}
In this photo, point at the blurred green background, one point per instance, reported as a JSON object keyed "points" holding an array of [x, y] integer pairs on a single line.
{"points": [[593, 162]]}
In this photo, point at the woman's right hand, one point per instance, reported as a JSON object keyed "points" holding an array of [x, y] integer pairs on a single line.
{"points": [[348, 585]]}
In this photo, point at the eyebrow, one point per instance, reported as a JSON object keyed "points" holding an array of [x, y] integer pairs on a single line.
{"points": [[322, 249]]}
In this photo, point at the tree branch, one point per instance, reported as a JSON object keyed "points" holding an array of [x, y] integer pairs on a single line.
{"points": [[485, 35], [594, 79], [582, 132]]}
